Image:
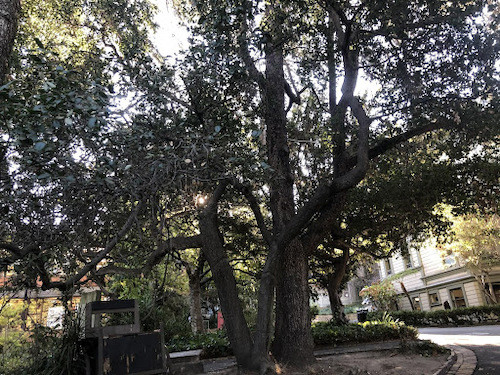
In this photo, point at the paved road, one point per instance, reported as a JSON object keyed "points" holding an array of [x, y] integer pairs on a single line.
{"points": [[483, 340]]}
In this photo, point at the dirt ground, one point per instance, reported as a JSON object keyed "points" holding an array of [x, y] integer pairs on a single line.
{"points": [[374, 363]]}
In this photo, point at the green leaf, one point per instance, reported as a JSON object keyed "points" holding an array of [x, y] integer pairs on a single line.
{"points": [[43, 176], [264, 165], [39, 43], [256, 133], [7, 85], [39, 146]]}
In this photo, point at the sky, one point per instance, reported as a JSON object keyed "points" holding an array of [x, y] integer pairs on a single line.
{"points": [[170, 37]]}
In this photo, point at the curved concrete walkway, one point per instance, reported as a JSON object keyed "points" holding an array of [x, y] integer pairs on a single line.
{"points": [[482, 341]]}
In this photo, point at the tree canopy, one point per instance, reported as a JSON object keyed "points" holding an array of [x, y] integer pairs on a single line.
{"points": [[106, 146]]}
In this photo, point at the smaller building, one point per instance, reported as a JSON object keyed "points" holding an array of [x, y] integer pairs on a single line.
{"points": [[364, 275], [39, 307], [434, 282]]}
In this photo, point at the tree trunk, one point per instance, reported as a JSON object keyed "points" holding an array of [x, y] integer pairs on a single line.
{"points": [[263, 327], [293, 343], [403, 288], [195, 303], [293, 340], [234, 319], [9, 15], [338, 315], [334, 282]]}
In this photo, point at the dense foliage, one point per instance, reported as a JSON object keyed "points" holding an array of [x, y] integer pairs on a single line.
{"points": [[381, 294], [324, 334], [106, 147], [45, 351], [328, 334], [213, 344], [456, 317]]}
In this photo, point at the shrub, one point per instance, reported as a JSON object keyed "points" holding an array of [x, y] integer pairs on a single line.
{"points": [[213, 344], [45, 352], [352, 309], [381, 294], [425, 348], [14, 348], [329, 334], [461, 316]]}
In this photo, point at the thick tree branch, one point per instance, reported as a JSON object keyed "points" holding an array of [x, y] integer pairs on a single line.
{"points": [[245, 55], [173, 244], [389, 143], [213, 201], [294, 98], [176, 243], [9, 16], [255, 207], [326, 190], [100, 255]]}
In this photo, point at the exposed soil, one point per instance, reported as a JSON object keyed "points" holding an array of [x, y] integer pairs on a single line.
{"points": [[374, 363]]}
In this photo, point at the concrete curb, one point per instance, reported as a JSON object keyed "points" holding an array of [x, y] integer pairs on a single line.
{"points": [[449, 362], [366, 347], [465, 363], [461, 361]]}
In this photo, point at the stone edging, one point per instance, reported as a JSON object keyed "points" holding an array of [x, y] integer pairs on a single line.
{"points": [[449, 362], [462, 361]]}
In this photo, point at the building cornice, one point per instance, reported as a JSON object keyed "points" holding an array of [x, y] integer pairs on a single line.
{"points": [[445, 273]]}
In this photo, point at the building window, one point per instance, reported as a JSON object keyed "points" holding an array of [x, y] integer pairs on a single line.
{"points": [[388, 268], [407, 261], [458, 298], [434, 299], [450, 260], [496, 291], [416, 303]]}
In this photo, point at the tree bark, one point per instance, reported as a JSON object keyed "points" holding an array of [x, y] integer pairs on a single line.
{"points": [[338, 315], [403, 288], [9, 16], [195, 303], [333, 286], [263, 327], [293, 340], [215, 254], [293, 343]]}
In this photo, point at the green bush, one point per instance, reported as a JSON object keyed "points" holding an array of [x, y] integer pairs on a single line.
{"points": [[213, 344], [456, 317], [14, 354], [216, 344], [425, 348], [45, 352], [352, 309], [329, 334]]}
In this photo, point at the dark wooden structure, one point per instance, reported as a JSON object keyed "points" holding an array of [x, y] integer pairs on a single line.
{"points": [[122, 349]]}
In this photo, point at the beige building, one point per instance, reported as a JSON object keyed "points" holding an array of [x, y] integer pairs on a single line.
{"points": [[432, 282]]}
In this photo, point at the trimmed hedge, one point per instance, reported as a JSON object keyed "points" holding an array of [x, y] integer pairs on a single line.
{"points": [[216, 344], [455, 317], [328, 334]]}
